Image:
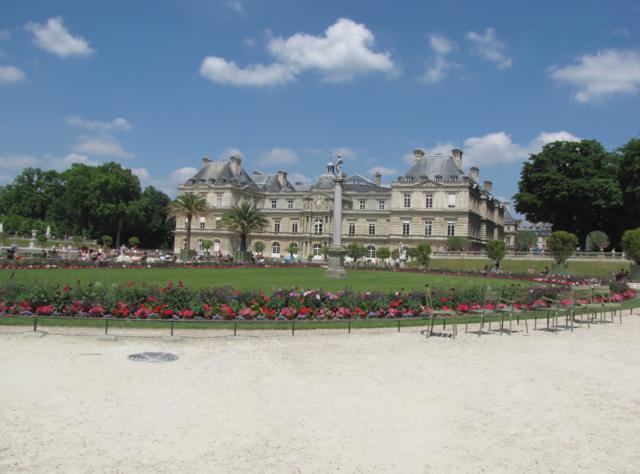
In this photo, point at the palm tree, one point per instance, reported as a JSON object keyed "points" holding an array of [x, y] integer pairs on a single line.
{"points": [[244, 218], [188, 205]]}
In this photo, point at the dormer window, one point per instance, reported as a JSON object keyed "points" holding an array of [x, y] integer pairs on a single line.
{"points": [[423, 179], [438, 178]]}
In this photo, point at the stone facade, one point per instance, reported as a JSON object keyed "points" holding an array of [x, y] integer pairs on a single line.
{"points": [[431, 201]]}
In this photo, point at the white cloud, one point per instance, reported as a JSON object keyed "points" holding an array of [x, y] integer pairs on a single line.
{"points": [[230, 151], [237, 6], [602, 75], [10, 75], [66, 161], [18, 162], [94, 125], [345, 153], [227, 72], [101, 146], [439, 65], [5, 35], [490, 47], [441, 149], [55, 38], [341, 54], [498, 148], [441, 44], [279, 156], [384, 171], [141, 173]]}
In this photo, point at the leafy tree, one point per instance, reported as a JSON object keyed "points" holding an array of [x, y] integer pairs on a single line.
{"points": [[631, 244], [383, 253], [134, 241], [30, 194], [629, 177], [572, 185], [42, 239], [187, 205], [206, 246], [324, 250], [292, 248], [423, 254], [496, 250], [244, 219], [411, 252], [149, 219], [356, 251], [457, 242], [77, 241], [525, 240], [259, 246], [106, 240], [596, 240], [395, 254], [562, 245]]}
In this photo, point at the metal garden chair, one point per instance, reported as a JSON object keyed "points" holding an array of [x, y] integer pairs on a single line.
{"points": [[440, 315], [514, 308], [490, 301], [602, 303]]}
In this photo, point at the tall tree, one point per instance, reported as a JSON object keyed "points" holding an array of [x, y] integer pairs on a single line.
{"points": [[572, 185], [630, 182], [31, 194], [187, 205], [149, 219], [244, 219]]}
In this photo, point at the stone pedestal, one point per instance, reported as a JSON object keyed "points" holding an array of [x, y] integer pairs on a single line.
{"points": [[336, 262]]}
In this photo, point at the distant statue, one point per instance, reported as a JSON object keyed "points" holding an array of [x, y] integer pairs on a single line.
{"points": [[338, 169]]}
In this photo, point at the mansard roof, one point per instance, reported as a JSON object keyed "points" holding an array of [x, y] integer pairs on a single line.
{"points": [[272, 183], [358, 183], [508, 218], [431, 166], [222, 173]]}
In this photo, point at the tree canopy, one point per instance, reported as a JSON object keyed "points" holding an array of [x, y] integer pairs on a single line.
{"points": [[572, 185], [86, 200], [244, 219]]}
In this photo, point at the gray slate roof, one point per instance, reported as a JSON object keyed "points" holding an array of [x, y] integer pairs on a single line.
{"points": [[432, 166], [270, 183], [221, 173]]}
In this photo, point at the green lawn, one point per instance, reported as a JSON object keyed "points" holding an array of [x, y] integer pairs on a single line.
{"points": [[579, 268], [266, 279]]}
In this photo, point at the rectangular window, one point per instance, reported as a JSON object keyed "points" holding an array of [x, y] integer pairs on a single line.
{"points": [[406, 228], [381, 205], [202, 225], [428, 228], [294, 227], [274, 203], [407, 200], [219, 199], [218, 223], [372, 228], [429, 201], [276, 226], [363, 204], [317, 226], [290, 204], [352, 228], [451, 228], [451, 200]]}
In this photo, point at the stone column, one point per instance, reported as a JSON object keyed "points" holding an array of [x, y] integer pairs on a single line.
{"points": [[336, 250]]}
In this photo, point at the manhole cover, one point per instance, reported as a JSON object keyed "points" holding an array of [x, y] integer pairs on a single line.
{"points": [[153, 357]]}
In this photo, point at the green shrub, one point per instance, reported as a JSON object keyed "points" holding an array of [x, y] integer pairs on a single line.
{"points": [[596, 241], [456, 242], [631, 244], [496, 250], [525, 239], [423, 254], [562, 245]]}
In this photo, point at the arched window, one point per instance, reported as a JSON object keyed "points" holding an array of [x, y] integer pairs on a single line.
{"points": [[371, 251], [317, 249], [317, 226], [216, 245], [275, 248]]}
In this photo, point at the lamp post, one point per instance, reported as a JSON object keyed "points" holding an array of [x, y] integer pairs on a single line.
{"points": [[336, 250]]}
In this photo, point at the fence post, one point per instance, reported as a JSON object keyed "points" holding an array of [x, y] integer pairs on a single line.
{"points": [[35, 324], [349, 325], [235, 326], [398, 325], [106, 326], [171, 328], [293, 327]]}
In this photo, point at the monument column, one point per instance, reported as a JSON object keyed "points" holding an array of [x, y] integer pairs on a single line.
{"points": [[336, 250]]}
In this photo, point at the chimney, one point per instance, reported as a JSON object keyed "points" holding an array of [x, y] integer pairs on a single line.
{"points": [[235, 161], [282, 178], [417, 155], [378, 178], [474, 172], [457, 157], [487, 186], [206, 160]]}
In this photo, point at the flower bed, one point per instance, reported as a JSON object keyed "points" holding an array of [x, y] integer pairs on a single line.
{"points": [[139, 301]]}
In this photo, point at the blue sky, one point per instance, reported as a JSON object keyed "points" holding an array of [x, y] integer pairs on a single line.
{"points": [[158, 85]]}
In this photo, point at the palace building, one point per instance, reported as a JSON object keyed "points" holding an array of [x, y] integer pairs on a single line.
{"points": [[433, 200]]}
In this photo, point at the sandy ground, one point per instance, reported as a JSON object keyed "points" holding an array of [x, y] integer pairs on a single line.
{"points": [[372, 401]]}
